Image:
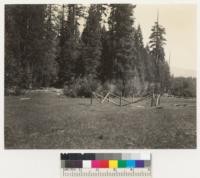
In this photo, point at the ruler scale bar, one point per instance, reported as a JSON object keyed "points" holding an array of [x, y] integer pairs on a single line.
{"points": [[106, 173]]}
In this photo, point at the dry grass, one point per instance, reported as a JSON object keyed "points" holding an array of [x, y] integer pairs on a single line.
{"points": [[50, 121]]}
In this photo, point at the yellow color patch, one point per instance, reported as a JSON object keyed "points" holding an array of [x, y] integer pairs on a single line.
{"points": [[113, 164]]}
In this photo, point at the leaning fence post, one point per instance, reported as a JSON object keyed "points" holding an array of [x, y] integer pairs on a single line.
{"points": [[158, 100]]}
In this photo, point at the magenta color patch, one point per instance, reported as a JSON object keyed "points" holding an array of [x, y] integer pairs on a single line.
{"points": [[95, 163]]}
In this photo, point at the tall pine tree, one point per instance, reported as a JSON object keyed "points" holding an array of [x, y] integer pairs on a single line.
{"points": [[69, 44], [106, 64], [13, 71], [161, 68], [156, 43], [140, 52], [123, 49], [49, 68], [91, 38]]}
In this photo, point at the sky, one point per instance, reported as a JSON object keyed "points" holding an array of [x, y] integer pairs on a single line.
{"points": [[180, 24]]}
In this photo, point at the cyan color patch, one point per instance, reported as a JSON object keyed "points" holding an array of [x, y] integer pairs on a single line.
{"points": [[130, 163]]}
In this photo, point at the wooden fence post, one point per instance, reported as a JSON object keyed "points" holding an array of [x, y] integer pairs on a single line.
{"points": [[132, 98], [153, 100], [91, 99], [121, 100]]}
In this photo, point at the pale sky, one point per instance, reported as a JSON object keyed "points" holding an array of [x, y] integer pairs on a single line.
{"points": [[180, 23]]}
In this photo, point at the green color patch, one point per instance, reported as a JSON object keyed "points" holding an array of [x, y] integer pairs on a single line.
{"points": [[121, 164]]}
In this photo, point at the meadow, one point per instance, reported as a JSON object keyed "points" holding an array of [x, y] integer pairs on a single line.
{"points": [[45, 120]]}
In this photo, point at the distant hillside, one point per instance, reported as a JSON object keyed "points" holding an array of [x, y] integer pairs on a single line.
{"points": [[177, 72]]}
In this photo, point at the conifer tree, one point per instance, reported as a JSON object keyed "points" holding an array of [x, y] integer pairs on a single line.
{"points": [[49, 71], [106, 64], [161, 68], [13, 72], [148, 65], [33, 49], [61, 47], [140, 53], [123, 49], [157, 42], [69, 43], [92, 45]]}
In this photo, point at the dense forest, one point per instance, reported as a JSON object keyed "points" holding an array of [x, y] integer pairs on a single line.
{"points": [[82, 49]]}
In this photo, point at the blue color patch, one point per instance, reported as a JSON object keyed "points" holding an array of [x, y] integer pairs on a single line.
{"points": [[130, 163]]}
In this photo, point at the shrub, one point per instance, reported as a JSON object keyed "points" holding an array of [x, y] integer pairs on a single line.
{"points": [[81, 87], [183, 87], [14, 91], [129, 88]]}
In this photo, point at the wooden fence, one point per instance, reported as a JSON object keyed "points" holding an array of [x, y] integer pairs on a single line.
{"points": [[110, 97]]}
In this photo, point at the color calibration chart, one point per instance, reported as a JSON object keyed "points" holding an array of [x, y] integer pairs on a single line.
{"points": [[77, 165]]}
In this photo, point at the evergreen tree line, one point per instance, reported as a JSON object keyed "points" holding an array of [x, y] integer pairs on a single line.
{"points": [[44, 47]]}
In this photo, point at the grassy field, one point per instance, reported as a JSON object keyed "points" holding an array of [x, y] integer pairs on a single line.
{"points": [[47, 120]]}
